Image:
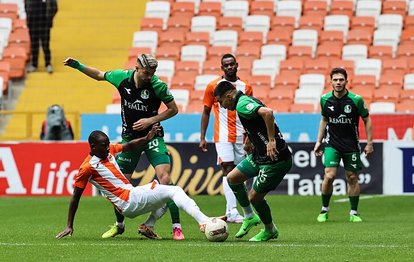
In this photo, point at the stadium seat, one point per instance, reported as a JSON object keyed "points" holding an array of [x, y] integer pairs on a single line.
{"points": [[160, 9], [305, 37], [349, 65], [394, 7], [273, 52], [315, 8], [245, 66], [302, 108], [307, 96], [382, 107], [366, 93], [212, 67], [230, 23], [194, 107], [283, 23], [17, 57], [393, 81], [265, 67], [171, 39], [216, 52], [116, 97], [113, 109], [311, 22], [210, 9], [368, 67], [359, 37], [354, 52], [202, 81], [133, 52], [405, 51], [301, 52], [152, 24], [181, 97], [342, 8], [411, 8], [287, 80], [204, 24], [329, 50], [337, 23], [364, 81], [257, 23], [260, 81], [6, 26], [183, 8], [279, 106], [225, 38], [407, 94], [187, 68], [20, 39], [364, 23], [5, 75], [406, 106], [279, 37], [409, 21], [193, 53], [317, 66], [332, 37], [398, 66], [386, 94], [368, 8], [196, 3], [146, 39], [407, 36], [165, 68], [387, 37], [251, 37], [198, 38], [290, 8], [248, 50], [262, 8], [236, 8], [197, 96], [262, 93], [409, 81], [281, 93], [315, 82], [9, 10], [168, 52], [392, 22], [380, 52], [293, 66], [179, 23], [182, 82]]}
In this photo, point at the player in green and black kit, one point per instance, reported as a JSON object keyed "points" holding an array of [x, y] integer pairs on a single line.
{"points": [[268, 163], [141, 96], [341, 111]]}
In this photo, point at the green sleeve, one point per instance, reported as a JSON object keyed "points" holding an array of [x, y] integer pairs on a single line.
{"points": [[362, 108], [115, 77], [247, 107], [161, 90]]}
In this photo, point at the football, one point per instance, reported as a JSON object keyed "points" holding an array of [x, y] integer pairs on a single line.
{"points": [[216, 230]]}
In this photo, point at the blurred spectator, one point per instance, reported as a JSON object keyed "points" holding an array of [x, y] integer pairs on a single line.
{"points": [[56, 126], [40, 14]]}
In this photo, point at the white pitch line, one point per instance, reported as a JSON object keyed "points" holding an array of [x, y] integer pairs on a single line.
{"points": [[207, 244], [341, 200]]}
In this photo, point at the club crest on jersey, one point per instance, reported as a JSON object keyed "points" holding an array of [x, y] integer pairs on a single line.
{"points": [[249, 106], [347, 109], [144, 94]]}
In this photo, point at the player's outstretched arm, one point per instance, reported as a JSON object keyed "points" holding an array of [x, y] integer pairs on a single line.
{"points": [[73, 206], [139, 142], [87, 70]]}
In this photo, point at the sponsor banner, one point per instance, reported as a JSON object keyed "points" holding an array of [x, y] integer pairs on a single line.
{"points": [[197, 172], [40, 169], [398, 168], [295, 127]]}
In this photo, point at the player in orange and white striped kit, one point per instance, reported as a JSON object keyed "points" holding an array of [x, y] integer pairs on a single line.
{"points": [[228, 131], [101, 169]]}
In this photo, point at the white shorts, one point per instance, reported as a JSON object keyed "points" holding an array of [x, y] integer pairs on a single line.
{"points": [[148, 198], [229, 152]]}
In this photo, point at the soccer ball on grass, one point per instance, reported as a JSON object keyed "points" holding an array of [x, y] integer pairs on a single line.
{"points": [[216, 230]]}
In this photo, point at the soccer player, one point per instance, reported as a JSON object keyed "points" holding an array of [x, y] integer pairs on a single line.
{"points": [[101, 169], [268, 163], [338, 127], [142, 93], [228, 131]]}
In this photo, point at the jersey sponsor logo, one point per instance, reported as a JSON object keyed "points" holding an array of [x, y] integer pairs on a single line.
{"points": [[144, 94], [137, 105], [347, 109], [331, 107], [342, 119]]}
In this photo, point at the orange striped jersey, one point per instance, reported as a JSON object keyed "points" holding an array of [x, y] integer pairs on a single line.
{"points": [[227, 126], [106, 176]]}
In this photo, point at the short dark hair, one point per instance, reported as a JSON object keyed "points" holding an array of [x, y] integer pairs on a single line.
{"points": [[339, 70], [223, 87], [228, 55], [93, 137]]}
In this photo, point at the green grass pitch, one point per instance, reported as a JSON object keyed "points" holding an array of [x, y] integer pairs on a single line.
{"points": [[28, 227]]}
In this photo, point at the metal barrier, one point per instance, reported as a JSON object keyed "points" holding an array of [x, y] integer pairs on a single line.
{"points": [[26, 125]]}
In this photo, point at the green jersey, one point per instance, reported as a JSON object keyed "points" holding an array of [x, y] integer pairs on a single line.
{"points": [[342, 116], [255, 126], [138, 102]]}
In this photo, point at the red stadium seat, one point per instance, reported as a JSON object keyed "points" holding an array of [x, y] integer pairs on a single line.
{"points": [[262, 8], [279, 37], [152, 24], [386, 94], [198, 38], [380, 52], [230, 23], [395, 66], [210, 9], [394, 7], [315, 8]]}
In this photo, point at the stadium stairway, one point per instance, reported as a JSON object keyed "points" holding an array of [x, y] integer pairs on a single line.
{"points": [[98, 33]]}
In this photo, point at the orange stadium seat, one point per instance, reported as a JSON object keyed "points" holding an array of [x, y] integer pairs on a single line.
{"points": [[17, 58], [386, 94], [179, 23], [406, 94], [212, 66], [295, 66], [300, 52], [349, 65], [133, 52], [210, 9], [342, 8], [287, 23], [183, 8], [302, 108], [5, 74], [252, 37], [380, 52], [187, 68], [392, 80], [315, 8], [329, 50], [407, 36], [260, 81], [394, 7], [406, 106], [279, 106], [20, 38], [230, 23], [363, 22], [248, 50], [262, 8], [197, 38], [9, 10], [116, 97], [405, 51], [216, 52], [171, 38], [410, 62], [262, 93], [409, 22], [366, 93], [311, 22], [331, 37], [182, 82], [197, 95], [245, 66], [282, 93], [279, 37], [166, 52], [316, 66], [20, 24], [394, 66], [152, 24], [287, 80], [359, 36], [194, 107]]}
